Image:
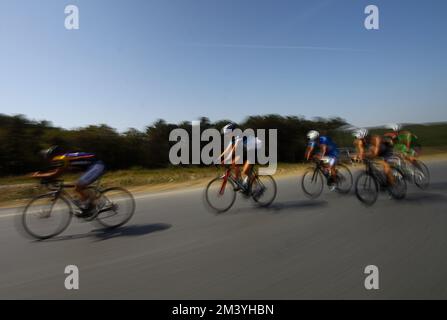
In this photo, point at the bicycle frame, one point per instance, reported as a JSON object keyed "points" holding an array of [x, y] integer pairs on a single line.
{"points": [[60, 190], [318, 168], [229, 175], [375, 173]]}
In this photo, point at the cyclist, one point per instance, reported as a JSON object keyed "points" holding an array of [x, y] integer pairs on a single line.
{"points": [[405, 142], [328, 153], [249, 144], [61, 162], [374, 147]]}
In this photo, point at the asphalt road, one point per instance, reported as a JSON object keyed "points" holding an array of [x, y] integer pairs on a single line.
{"points": [[174, 248]]}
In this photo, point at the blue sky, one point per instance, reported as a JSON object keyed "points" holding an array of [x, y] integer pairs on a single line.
{"points": [[133, 62]]}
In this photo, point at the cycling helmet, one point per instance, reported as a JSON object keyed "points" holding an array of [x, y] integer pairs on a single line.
{"points": [[312, 135], [51, 152], [228, 128], [360, 133], [395, 127]]}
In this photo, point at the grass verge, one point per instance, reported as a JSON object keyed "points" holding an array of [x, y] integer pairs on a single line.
{"points": [[14, 191]]}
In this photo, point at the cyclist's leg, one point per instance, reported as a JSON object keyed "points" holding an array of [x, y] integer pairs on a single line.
{"points": [[236, 166], [387, 170], [247, 168], [412, 157], [332, 166], [329, 164], [249, 152], [246, 172], [90, 176]]}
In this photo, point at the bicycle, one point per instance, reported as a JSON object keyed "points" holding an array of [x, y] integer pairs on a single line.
{"points": [[371, 180], [114, 207], [414, 172], [225, 187], [314, 187]]}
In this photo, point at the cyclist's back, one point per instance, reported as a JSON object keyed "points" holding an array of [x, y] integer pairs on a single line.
{"points": [[332, 148], [406, 143], [82, 161]]}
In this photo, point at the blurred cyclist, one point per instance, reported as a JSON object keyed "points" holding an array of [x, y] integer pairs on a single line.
{"points": [[374, 147], [61, 162], [249, 144], [327, 152], [405, 142]]}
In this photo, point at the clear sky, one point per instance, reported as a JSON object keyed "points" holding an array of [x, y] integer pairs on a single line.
{"points": [[133, 62]]}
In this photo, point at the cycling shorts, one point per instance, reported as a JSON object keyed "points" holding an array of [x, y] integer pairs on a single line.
{"points": [[92, 174]]}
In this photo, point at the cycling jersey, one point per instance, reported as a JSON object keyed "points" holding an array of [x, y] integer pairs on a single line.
{"points": [[252, 143], [385, 146], [248, 143], [405, 139], [332, 148], [77, 160], [385, 149], [87, 162]]}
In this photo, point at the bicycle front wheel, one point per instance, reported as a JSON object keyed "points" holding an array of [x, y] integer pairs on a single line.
{"points": [[344, 179], [312, 183], [421, 175], [366, 189], [399, 189], [116, 207], [263, 190], [220, 194], [46, 216]]}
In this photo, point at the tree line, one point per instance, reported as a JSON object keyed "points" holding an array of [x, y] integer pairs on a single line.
{"points": [[22, 139]]}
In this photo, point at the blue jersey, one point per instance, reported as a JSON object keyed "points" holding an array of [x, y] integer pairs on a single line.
{"points": [[332, 149]]}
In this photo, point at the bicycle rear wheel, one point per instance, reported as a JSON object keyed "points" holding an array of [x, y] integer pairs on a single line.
{"points": [[220, 194], [263, 190], [116, 207], [366, 189], [344, 179], [312, 183], [46, 216]]}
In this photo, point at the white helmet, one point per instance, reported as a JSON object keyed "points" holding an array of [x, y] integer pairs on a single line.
{"points": [[312, 135], [360, 133], [395, 127], [228, 128]]}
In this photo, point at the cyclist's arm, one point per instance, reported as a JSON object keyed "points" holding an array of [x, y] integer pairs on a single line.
{"points": [[309, 151], [374, 152], [228, 152], [49, 174], [323, 150], [359, 149]]}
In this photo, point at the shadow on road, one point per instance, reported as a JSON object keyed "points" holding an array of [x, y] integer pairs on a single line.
{"points": [[303, 204], [126, 231]]}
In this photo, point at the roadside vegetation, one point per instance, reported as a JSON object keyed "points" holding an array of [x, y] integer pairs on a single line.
{"points": [[138, 160]]}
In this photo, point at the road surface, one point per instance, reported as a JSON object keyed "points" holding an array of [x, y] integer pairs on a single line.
{"points": [[174, 248]]}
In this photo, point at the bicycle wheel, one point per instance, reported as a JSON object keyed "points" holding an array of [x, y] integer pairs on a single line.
{"points": [[344, 179], [220, 195], [263, 190], [46, 216], [421, 175], [115, 206], [312, 183], [399, 189], [366, 189]]}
